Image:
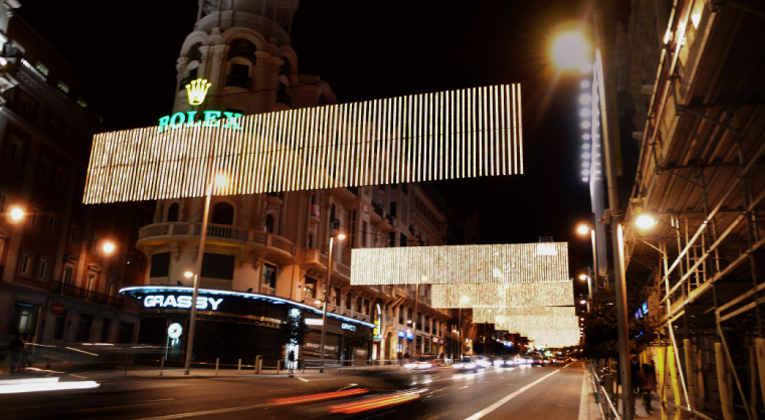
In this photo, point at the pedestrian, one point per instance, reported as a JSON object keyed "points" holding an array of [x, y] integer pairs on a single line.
{"points": [[406, 356], [16, 348], [647, 385], [634, 373], [400, 357]]}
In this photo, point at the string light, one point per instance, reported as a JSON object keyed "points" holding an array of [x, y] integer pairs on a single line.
{"points": [[436, 136], [502, 296], [543, 262]]}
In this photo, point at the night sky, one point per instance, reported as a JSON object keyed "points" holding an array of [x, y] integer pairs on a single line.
{"points": [[367, 50]]}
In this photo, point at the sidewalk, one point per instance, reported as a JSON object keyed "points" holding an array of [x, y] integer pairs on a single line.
{"points": [[593, 412]]}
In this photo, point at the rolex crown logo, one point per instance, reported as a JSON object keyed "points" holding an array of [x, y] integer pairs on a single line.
{"points": [[197, 90]]}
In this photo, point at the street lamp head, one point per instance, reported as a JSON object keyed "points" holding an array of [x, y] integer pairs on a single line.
{"points": [[340, 236], [188, 274], [583, 229], [108, 247], [16, 214], [583, 276], [571, 50], [583, 302], [645, 221]]}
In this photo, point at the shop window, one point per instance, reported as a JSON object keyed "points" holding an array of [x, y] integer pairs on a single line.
{"points": [[125, 333], [160, 264], [59, 328], [105, 330], [269, 276], [23, 318], [83, 329]]}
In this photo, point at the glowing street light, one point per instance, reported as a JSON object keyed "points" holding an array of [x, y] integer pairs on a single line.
{"points": [[645, 221], [570, 50], [16, 214], [188, 274], [108, 247]]}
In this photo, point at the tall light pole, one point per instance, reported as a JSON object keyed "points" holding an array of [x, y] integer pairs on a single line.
{"points": [[570, 51], [584, 229], [219, 181], [340, 236]]}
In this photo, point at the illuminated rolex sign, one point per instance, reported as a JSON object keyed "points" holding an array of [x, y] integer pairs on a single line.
{"points": [[197, 90]]}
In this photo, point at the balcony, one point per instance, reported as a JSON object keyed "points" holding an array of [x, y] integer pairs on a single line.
{"points": [[313, 258], [161, 233], [86, 295]]}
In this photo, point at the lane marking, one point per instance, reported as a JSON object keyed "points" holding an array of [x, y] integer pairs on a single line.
{"points": [[463, 387], [501, 402], [205, 413]]}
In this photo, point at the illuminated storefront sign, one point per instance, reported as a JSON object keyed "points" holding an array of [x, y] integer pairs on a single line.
{"points": [[209, 118], [197, 90], [182, 301], [348, 327], [401, 334]]}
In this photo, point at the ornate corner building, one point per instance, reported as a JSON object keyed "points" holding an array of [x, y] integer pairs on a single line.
{"points": [[267, 255]]}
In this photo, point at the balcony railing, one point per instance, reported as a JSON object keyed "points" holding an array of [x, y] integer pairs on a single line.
{"points": [[85, 294], [227, 233]]}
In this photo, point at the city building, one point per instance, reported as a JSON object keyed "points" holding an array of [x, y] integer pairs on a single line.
{"points": [[61, 263], [266, 256]]}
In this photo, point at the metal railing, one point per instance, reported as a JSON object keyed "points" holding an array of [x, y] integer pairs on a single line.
{"points": [[85, 294], [601, 392]]}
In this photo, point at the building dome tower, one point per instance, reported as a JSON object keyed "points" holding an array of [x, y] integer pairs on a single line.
{"points": [[242, 47]]}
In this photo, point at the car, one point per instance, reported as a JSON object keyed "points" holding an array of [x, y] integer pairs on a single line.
{"points": [[537, 361], [465, 364], [504, 362], [482, 362], [423, 363]]}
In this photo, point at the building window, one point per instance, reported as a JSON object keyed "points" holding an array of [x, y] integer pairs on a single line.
{"points": [[392, 211], [51, 228], [348, 301], [269, 276], [366, 307], [25, 264], [58, 177], [27, 106], [364, 228], [42, 269], [223, 214], [269, 228], [74, 235], [81, 102], [15, 147], [408, 315], [309, 291], [83, 330], [218, 266], [33, 217], [42, 69], [67, 277], [63, 87], [400, 315], [392, 239], [309, 245], [239, 76], [336, 295], [404, 239], [172, 212], [358, 304], [160, 264]]}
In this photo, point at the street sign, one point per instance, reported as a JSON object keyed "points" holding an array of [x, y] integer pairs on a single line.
{"points": [[57, 308]]}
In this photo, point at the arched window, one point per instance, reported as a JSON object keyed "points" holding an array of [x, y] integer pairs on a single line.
{"points": [[241, 58], [172, 212], [269, 223], [223, 214]]}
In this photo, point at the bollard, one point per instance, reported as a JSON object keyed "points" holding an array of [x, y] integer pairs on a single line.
{"points": [[161, 365], [217, 361], [240, 365], [278, 366], [258, 364]]}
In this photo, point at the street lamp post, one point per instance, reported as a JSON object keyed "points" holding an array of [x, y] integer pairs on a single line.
{"points": [[326, 298], [574, 59], [220, 180]]}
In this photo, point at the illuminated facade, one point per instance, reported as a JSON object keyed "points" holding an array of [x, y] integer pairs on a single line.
{"points": [[275, 245], [57, 285]]}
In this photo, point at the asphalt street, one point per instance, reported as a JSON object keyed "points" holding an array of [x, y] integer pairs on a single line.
{"points": [[550, 392]]}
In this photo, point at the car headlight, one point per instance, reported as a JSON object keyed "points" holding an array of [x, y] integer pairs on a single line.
{"points": [[469, 365], [425, 366], [410, 365], [459, 365]]}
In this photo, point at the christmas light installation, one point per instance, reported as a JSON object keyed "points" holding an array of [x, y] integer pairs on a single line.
{"points": [[502, 295], [435, 136], [544, 262]]}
